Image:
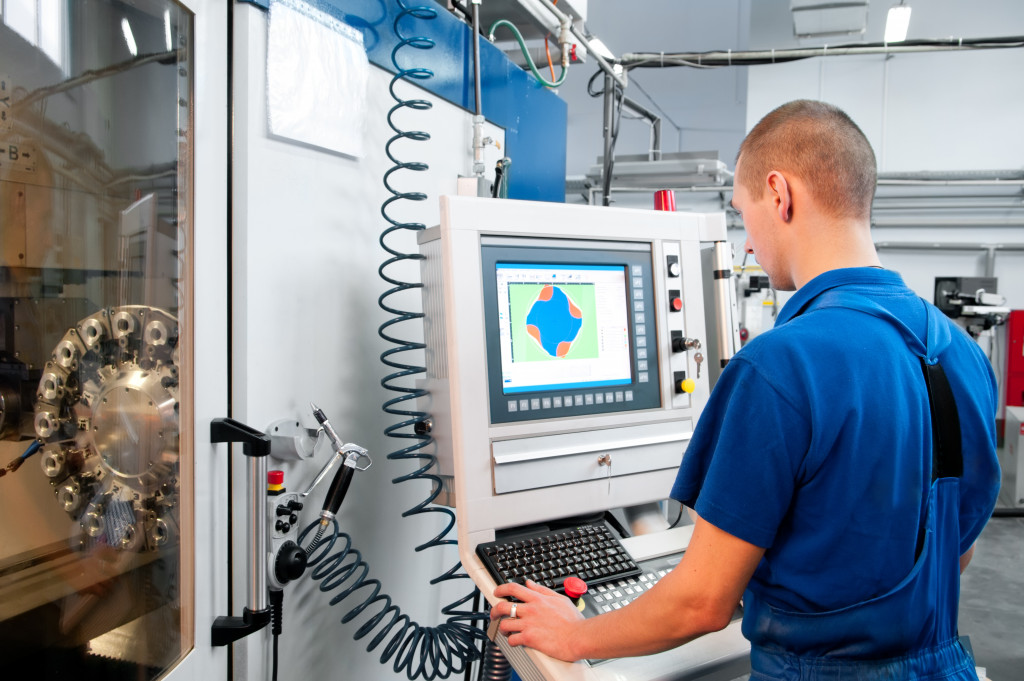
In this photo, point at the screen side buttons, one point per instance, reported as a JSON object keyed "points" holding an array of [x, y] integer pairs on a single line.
{"points": [[672, 265], [675, 300]]}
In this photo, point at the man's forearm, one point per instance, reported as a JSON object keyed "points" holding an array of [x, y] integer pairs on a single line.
{"points": [[654, 622]]}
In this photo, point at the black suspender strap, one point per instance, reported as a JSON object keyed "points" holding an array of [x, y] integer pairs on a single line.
{"points": [[947, 457]]}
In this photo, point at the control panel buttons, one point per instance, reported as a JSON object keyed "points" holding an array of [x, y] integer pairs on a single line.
{"points": [[681, 384], [672, 265], [687, 386]]}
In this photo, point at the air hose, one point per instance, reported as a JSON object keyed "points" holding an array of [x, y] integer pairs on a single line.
{"points": [[419, 651], [526, 53]]}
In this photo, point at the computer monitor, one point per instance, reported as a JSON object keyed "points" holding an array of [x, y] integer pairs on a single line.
{"points": [[561, 353]]}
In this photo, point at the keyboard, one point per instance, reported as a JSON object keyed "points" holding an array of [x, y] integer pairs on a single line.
{"points": [[591, 552]]}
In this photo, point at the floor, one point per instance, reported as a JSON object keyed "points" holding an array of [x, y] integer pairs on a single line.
{"points": [[992, 598]]}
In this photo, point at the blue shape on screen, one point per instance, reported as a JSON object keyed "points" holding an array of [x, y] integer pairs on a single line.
{"points": [[554, 321]]}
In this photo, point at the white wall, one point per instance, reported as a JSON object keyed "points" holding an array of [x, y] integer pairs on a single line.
{"points": [[306, 319], [958, 111]]}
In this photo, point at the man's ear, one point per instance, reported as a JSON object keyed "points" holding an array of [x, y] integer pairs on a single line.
{"points": [[782, 200]]}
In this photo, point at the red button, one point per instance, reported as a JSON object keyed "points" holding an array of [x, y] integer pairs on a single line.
{"points": [[275, 477], [677, 304], [574, 587]]}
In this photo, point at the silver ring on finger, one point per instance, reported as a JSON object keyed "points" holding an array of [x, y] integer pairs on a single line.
{"points": [[512, 612]]}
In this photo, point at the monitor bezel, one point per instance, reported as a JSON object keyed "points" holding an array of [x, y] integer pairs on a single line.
{"points": [[637, 259]]}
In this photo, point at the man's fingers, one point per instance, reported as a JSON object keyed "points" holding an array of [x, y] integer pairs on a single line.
{"points": [[510, 626], [513, 590], [541, 589], [504, 609]]}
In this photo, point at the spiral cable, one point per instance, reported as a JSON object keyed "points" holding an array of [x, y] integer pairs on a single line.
{"points": [[390, 357], [418, 651], [496, 665]]}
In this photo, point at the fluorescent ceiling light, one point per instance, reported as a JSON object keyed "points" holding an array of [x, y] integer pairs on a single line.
{"points": [[897, 23], [167, 30], [129, 39], [822, 18]]}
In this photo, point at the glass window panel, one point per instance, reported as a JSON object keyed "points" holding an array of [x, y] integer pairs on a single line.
{"points": [[51, 29], [20, 15], [95, 186]]}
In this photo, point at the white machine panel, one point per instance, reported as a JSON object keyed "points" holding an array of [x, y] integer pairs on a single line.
{"points": [[569, 439]]}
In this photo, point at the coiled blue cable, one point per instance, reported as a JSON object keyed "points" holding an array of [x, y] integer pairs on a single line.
{"points": [[430, 652], [427, 651]]}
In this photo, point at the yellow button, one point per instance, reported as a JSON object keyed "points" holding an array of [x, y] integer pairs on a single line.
{"points": [[688, 385]]}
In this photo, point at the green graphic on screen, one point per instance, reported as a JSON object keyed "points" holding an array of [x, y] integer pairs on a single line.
{"points": [[553, 322]]}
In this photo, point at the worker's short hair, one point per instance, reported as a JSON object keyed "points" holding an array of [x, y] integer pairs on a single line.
{"points": [[821, 145]]}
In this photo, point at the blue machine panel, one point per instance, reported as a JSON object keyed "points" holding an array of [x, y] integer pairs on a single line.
{"points": [[534, 118]]}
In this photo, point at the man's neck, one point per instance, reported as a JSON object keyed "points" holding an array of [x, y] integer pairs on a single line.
{"points": [[844, 245]]}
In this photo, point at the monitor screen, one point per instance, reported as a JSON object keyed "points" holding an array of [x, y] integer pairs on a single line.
{"points": [[562, 326], [567, 329]]}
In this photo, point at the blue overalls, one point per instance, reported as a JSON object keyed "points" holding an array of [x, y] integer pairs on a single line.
{"points": [[909, 633]]}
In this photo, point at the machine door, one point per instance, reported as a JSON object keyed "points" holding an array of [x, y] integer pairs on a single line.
{"points": [[113, 230]]}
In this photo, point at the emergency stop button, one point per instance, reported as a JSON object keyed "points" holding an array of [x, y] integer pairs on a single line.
{"points": [[675, 300], [574, 587], [574, 590]]}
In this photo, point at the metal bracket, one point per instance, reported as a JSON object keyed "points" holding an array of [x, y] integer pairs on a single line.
{"points": [[291, 441], [228, 629]]}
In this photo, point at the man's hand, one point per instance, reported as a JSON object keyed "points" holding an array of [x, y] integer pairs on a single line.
{"points": [[545, 620]]}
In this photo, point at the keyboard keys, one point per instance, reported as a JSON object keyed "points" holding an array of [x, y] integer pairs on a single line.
{"points": [[590, 552]]}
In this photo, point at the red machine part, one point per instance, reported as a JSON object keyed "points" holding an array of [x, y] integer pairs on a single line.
{"points": [[1015, 359], [665, 199]]}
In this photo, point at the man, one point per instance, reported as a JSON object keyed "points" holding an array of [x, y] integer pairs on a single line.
{"points": [[811, 470]]}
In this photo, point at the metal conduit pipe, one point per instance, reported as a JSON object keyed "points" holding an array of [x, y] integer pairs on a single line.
{"points": [[609, 140], [478, 117], [884, 182], [944, 205], [655, 121], [477, 98], [946, 246], [741, 57], [949, 222], [990, 250]]}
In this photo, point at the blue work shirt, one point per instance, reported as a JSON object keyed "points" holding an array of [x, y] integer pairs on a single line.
{"points": [[816, 445]]}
